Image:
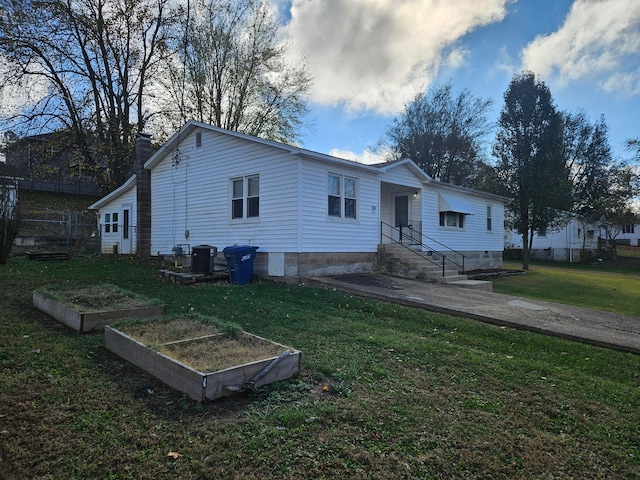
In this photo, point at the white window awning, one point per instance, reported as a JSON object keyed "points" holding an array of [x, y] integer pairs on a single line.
{"points": [[447, 203]]}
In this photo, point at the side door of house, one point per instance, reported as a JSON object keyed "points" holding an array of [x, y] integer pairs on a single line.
{"points": [[401, 215], [125, 241]]}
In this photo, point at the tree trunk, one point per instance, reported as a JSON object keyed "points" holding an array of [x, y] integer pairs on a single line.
{"points": [[525, 250]]}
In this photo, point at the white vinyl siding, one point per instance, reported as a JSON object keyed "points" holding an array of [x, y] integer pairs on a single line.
{"points": [[195, 196], [321, 232], [474, 236]]}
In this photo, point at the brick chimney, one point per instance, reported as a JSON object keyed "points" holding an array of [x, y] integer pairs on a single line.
{"points": [[143, 194]]}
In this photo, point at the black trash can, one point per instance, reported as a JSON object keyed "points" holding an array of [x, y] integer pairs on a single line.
{"points": [[240, 262], [201, 259]]}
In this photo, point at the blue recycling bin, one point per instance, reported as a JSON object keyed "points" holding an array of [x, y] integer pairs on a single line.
{"points": [[240, 262]]}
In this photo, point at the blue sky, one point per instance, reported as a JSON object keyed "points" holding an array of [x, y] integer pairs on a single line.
{"points": [[370, 57]]}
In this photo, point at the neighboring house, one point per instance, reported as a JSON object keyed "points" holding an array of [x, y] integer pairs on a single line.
{"points": [[624, 234], [562, 244], [309, 213], [49, 162]]}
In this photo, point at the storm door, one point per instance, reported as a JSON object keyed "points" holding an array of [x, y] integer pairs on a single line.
{"points": [[125, 246]]}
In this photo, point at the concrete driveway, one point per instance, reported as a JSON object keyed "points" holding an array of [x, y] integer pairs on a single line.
{"points": [[594, 327]]}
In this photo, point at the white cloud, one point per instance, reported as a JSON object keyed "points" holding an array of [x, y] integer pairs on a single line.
{"points": [[377, 54], [366, 156], [599, 41]]}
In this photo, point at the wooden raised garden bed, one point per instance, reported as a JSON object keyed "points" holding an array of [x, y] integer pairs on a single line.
{"points": [[86, 309], [195, 357]]}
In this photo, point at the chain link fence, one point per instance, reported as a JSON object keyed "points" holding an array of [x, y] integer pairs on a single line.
{"points": [[54, 230]]}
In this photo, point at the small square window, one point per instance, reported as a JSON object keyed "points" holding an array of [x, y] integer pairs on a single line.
{"points": [[452, 219]]}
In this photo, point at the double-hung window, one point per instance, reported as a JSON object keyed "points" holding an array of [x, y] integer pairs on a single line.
{"points": [[342, 192], [245, 197], [489, 220]]}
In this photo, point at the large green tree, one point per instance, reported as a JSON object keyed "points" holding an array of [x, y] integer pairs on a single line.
{"points": [[530, 159], [443, 133]]}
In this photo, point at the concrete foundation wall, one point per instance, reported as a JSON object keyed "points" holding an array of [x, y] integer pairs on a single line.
{"points": [[482, 260], [317, 264], [298, 266]]}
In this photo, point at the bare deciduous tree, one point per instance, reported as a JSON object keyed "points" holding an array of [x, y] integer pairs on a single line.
{"points": [[231, 71], [93, 61]]}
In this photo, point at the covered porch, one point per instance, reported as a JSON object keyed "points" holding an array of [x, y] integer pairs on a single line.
{"points": [[401, 213]]}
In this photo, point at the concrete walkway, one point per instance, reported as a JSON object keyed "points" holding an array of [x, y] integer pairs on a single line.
{"points": [[594, 327]]}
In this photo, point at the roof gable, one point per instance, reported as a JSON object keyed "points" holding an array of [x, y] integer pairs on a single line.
{"points": [[125, 187], [407, 163], [193, 126]]}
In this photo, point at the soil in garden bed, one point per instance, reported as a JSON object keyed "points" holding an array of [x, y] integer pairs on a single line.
{"points": [[221, 351], [159, 332], [99, 297], [200, 344]]}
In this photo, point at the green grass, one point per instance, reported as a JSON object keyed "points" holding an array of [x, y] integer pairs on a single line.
{"points": [[35, 201], [385, 391], [583, 285]]}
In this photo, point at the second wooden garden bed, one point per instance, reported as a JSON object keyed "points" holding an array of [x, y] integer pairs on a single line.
{"points": [[195, 357]]}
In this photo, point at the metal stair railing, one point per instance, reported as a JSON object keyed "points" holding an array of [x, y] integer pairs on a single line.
{"points": [[426, 251]]}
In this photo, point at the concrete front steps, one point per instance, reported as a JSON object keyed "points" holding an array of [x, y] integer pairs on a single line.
{"points": [[396, 259]]}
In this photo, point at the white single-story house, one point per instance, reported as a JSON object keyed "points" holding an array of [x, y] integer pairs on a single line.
{"points": [[309, 213], [564, 243], [628, 234]]}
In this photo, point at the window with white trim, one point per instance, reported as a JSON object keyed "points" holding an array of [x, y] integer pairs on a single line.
{"points": [[489, 218], [628, 228], [245, 197], [452, 219], [342, 192], [111, 222]]}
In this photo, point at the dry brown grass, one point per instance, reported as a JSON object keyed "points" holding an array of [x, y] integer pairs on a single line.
{"points": [[159, 332], [99, 297], [220, 352], [200, 344]]}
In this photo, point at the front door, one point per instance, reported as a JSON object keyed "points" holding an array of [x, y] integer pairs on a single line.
{"points": [[401, 216], [125, 244]]}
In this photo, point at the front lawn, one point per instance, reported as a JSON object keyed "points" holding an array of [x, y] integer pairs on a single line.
{"points": [[385, 391], [581, 285]]}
